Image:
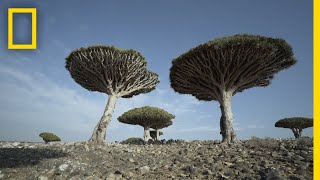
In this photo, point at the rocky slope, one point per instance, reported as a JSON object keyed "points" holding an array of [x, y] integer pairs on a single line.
{"points": [[252, 159]]}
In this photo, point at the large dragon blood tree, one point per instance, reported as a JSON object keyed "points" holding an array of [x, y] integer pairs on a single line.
{"points": [[296, 124], [218, 69], [146, 117], [116, 72]]}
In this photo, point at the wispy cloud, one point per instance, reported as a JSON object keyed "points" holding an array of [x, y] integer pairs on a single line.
{"points": [[33, 98], [45, 104], [198, 129]]}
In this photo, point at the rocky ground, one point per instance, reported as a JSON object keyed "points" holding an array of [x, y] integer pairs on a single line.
{"points": [[252, 159]]}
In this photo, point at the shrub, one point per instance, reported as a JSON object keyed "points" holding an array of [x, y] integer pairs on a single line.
{"points": [[49, 137], [133, 140]]}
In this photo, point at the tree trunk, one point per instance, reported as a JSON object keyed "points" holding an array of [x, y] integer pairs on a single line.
{"points": [[146, 135], [157, 134], [99, 132], [297, 132], [226, 120]]}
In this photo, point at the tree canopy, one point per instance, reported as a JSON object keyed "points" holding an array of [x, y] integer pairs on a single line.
{"points": [[146, 117], [111, 70], [49, 137], [163, 124], [232, 64], [295, 122], [220, 68]]}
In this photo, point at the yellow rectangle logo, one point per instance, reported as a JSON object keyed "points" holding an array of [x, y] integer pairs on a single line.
{"points": [[33, 12]]}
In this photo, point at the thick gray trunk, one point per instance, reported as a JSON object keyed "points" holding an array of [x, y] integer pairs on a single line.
{"points": [[99, 132], [226, 120], [297, 132], [157, 134], [146, 135]]}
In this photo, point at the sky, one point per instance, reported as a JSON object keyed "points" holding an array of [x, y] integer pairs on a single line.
{"points": [[37, 93]]}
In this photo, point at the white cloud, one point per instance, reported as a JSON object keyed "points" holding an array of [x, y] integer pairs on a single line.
{"points": [[45, 104]]}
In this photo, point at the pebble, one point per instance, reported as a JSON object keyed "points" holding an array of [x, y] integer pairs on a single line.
{"points": [[144, 169], [63, 167], [1, 175], [42, 177], [15, 144]]}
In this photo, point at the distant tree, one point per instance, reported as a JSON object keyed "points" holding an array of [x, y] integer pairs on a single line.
{"points": [[159, 126], [116, 72], [296, 124], [146, 117], [49, 137], [218, 69]]}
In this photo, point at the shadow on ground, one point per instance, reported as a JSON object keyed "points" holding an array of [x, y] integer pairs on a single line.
{"points": [[19, 157]]}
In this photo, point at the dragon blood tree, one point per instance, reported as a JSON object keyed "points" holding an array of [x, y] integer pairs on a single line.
{"points": [[161, 125], [218, 69], [296, 124], [116, 72], [146, 117]]}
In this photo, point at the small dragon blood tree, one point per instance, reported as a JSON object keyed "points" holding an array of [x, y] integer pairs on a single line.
{"points": [[218, 69], [113, 71], [146, 117], [296, 124], [49, 137]]}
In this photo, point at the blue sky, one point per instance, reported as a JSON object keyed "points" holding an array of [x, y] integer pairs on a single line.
{"points": [[38, 94]]}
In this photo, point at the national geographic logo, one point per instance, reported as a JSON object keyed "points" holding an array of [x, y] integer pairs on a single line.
{"points": [[33, 12]]}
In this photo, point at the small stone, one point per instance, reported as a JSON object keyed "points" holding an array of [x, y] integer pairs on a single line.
{"points": [[228, 163], [86, 147], [51, 171], [113, 176], [15, 144], [190, 169], [298, 157], [42, 177], [207, 172], [131, 160], [63, 167], [1, 175], [166, 166], [144, 169], [224, 176], [264, 163], [130, 174]]}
